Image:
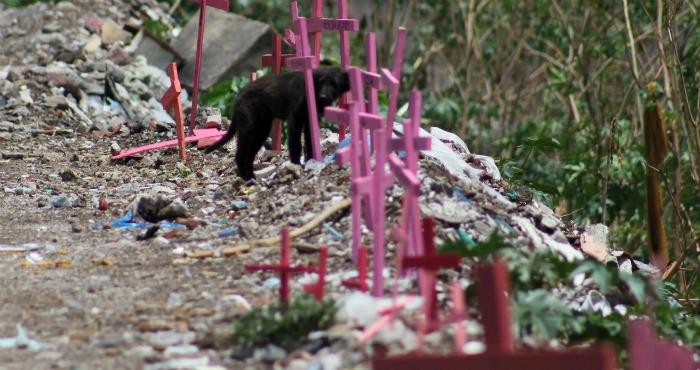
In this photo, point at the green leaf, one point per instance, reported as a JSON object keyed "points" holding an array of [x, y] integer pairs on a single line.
{"points": [[545, 142], [466, 246], [545, 188]]}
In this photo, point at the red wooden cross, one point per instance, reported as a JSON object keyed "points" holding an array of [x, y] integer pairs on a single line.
{"points": [[318, 288], [360, 282], [276, 60], [429, 262], [218, 4], [499, 355], [284, 267], [171, 98], [647, 352]]}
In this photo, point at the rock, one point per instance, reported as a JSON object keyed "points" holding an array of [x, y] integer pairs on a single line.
{"points": [[92, 44], [594, 241], [146, 353], [550, 223], [542, 240], [233, 47], [270, 353], [118, 55], [21, 111], [179, 351], [165, 339], [25, 96], [110, 33], [56, 101], [156, 51]]}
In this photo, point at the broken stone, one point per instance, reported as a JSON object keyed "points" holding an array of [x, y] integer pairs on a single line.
{"points": [[156, 51], [118, 55], [56, 101], [594, 241], [110, 33], [93, 44], [25, 96], [222, 55], [21, 111]]}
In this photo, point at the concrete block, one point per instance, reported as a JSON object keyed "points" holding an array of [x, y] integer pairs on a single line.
{"points": [[233, 45]]}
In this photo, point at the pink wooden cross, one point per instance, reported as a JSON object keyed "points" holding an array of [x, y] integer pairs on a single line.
{"points": [[218, 4], [406, 173], [499, 355], [318, 288], [171, 98], [647, 352], [387, 316], [360, 282], [429, 262], [300, 39], [306, 62], [367, 187], [392, 79], [284, 268]]}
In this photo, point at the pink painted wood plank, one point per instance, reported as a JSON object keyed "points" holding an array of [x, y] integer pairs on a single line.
{"points": [[316, 12], [407, 178], [300, 25], [370, 77], [333, 24], [301, 63], [199, 134], [344, 58], [599, 358], [420, 143], [379, 214], [218, 4], [373, 80]]}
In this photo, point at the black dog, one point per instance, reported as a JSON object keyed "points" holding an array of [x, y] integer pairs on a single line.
{"points": [[280, 96]]}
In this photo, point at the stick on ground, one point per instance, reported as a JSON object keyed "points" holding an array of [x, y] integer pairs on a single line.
{"points": [[275, 240]]}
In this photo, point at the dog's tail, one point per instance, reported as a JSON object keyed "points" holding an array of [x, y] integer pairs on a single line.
{"points": [[224, 139]]}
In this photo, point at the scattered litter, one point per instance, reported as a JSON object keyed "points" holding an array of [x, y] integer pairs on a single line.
{"points": [[22, 248], [229, 232], [21, 341], [239, 204], [330, 228], [127, 222]]}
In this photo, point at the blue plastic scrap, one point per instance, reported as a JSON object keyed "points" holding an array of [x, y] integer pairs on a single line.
{"points": [[225, 233], [342, 145], [127, 222], [466, 238], [330, 228], [239, 204], [461, 196]]}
